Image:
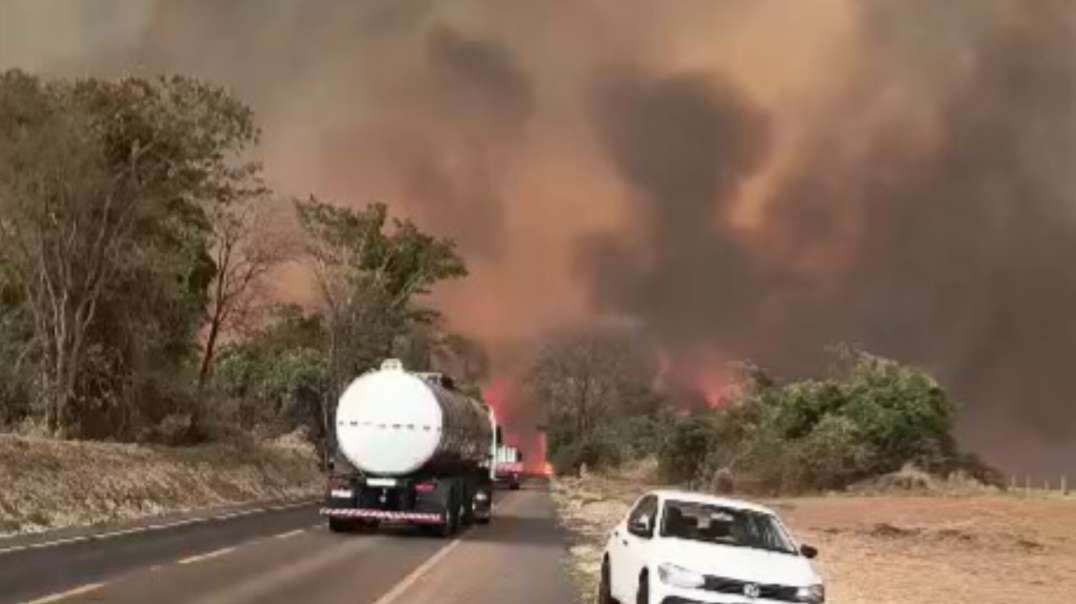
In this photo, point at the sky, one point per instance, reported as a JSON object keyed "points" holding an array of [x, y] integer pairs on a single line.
{"points": [[735, 179]]}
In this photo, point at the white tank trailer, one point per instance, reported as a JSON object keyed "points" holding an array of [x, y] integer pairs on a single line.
{"points": [[421, 453]]}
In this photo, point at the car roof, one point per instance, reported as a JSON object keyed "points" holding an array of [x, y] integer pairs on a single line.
{"points": [[695, 497]]}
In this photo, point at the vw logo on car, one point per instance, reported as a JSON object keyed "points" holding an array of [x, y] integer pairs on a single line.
{"points": [[752, 591]]}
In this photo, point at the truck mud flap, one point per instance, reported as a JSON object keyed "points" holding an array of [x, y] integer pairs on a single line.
{"points": [[387, 516]]}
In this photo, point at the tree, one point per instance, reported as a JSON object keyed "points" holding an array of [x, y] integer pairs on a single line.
{"points": [[684, 450], [369, 278], [245, 248], [899, 410], [99, 181], [268, 369], [463, 357], [16, 335], [870, 416], [582, 379]]}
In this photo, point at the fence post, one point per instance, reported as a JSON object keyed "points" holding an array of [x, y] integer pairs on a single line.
{"points": [[1012, 483], [1064, 485], [1027, 485]]}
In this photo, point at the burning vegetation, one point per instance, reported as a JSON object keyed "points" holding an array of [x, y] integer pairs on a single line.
{"points": [[605, 406]]}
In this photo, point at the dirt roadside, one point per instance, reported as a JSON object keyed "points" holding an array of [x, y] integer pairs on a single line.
{"points": [[50, 484], [882, 549]]}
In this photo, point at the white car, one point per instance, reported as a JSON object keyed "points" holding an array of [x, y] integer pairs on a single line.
{"points": [[676, 547]]}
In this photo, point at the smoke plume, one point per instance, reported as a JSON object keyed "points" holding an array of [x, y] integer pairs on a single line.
{"points": [[738, 179]]}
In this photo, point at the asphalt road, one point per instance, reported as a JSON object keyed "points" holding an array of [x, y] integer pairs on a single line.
{"points": [[288, 555]]}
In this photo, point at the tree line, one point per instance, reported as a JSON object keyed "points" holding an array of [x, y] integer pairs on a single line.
{"points": [[137, 241], [606, 405]]}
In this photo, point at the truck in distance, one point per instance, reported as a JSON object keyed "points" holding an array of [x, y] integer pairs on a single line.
{"points": [[508, 467]]}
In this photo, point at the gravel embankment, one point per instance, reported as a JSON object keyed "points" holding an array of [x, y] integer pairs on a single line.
{"points": [[48, 484]]}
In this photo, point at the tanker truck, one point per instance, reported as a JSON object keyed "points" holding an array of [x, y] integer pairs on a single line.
{"points": [[415, 451]]}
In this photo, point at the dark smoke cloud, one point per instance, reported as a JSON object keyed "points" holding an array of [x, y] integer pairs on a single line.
{"points": [[763, 179], [479, 89], [482, 77], [686, 142], [965, 250]]}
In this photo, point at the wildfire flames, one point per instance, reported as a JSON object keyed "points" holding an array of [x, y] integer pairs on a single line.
{"points": [[519, 430]]}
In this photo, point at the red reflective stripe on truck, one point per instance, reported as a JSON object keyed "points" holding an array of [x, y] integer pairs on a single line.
{"points": [[383, 515]]}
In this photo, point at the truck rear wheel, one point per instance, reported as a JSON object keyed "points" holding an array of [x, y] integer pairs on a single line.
{"points": [[467, 516], [452, 514], [487, 515], [450, 525], [368, 526], [340, 525]]}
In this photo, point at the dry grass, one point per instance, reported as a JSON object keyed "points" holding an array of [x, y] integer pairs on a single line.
{"points": [[50, 484], [885, 549]]}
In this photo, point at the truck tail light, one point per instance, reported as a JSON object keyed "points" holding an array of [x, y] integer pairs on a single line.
{"points": [[425, 487]]}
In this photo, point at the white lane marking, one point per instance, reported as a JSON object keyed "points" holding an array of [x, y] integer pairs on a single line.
{"points": [[19, 548], [206, 556], [152, 527], [289, 534], [288, 506], [395, 593], [67, 594]]}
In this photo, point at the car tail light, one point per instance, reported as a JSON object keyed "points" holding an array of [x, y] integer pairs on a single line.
{"points": [[425, 487], [339, 481]]}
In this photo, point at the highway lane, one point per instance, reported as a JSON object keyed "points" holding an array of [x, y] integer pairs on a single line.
{"points": [[289, 556], [29, 572]]}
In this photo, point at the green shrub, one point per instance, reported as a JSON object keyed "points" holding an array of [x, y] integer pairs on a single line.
{"points": [[682, 453], [872, 417], [834, 454], [900, 412], [600, 451]]}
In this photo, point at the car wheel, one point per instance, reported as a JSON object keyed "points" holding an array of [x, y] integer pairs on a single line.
{"points": [[605, 592], [643, 595]]}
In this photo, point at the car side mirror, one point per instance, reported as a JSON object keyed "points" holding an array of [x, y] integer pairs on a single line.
{"points": [[808, 552], [641, 526]]}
